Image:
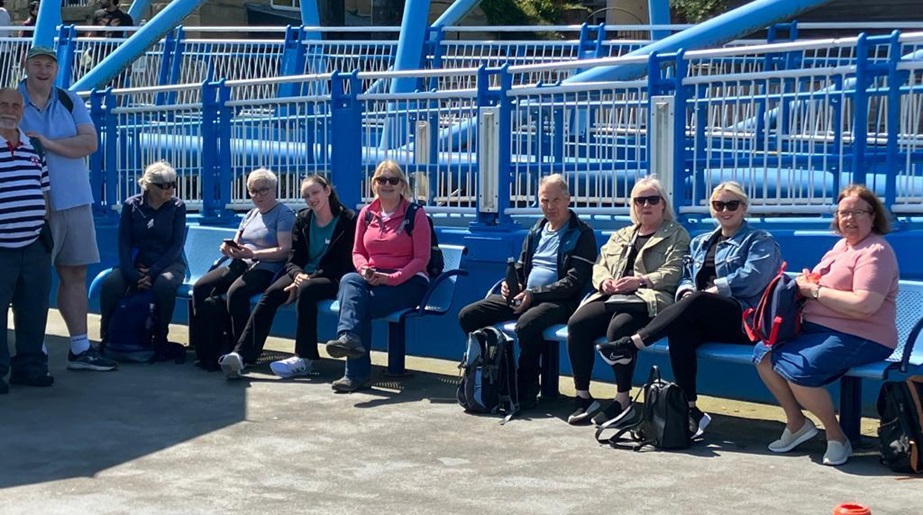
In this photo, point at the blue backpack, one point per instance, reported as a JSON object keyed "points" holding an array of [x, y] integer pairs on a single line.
{"points": [[777, 316], [488, 378], [132, 328]]}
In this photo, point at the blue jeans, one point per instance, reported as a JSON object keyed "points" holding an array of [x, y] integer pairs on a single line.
{"points": [[360, 302], [25, 284]]}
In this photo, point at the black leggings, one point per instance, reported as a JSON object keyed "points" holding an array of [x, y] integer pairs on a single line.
{"points": [[696, 319], [591, 321], [239, 283]]}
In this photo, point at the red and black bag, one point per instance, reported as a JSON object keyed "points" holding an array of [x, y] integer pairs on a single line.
{"points": [[777, 317]]}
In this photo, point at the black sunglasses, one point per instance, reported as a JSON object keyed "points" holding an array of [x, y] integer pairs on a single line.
{"points": [[164, 185], [381, 179], [719, 206], [653, 200]]}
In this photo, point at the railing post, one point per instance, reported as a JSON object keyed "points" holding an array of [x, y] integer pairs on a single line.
{"points": [[493, 150], [434, 49], [896, 80], [666, 144], [104, 175], [67, 42], [346, 171], [164, 76], [860, 111], [293, 61], [215, 142]]}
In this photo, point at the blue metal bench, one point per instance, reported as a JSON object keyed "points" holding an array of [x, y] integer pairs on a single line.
{"points": [[906, 359], [202, 244]]}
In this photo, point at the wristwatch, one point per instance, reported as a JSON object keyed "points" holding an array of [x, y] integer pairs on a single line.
{"points": [[815, 293]]}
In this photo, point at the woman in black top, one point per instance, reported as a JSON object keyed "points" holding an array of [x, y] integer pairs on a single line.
{"points": [[321, 253]]}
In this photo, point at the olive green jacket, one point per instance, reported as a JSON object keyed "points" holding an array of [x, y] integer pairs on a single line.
{"points": [[660, 261]]}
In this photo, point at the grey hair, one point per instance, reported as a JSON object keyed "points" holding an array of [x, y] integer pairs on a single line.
{"points": [[157, 172], [263, 175], [651, 181], [557, 179]]}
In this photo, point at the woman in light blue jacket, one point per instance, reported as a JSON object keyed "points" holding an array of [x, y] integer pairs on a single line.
{"points": [[725, 273]]}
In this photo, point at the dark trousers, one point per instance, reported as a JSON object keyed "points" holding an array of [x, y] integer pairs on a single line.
{"points": [[529, 328], [250, 344], [696, 319], [595, 319], [25, 284], [239, 284], [115, 286]]}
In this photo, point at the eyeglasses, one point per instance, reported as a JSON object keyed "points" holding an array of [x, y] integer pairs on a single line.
{"points": [[855, 213], [258, 193], [393, 181], [730, 205], [653, 200], [164, 185]]}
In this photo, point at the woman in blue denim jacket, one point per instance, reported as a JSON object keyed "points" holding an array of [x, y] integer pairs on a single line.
{"points": [[725, 273]]}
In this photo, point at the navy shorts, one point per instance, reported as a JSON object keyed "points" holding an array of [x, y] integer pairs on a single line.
{"points": [[820, 355]]}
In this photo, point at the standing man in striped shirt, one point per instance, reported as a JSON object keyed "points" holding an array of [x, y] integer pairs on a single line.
{"points": [[25, 248]]}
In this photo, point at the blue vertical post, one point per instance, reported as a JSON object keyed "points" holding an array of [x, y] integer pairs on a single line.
{"points": [[896, 80], [861, 111], [488, 97], [660, 15], [209, 153], [293, 61], [137, 44], [166, 65], [103, 176], [49, 17], [310, 17], [224, 172], [346, 170], [67, 43]]}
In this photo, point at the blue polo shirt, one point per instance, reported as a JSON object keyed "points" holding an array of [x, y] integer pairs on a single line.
{"points": [[70, 177]]}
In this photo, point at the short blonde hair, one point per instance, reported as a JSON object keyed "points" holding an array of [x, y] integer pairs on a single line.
{"points": [[389, 165], [732, 187], [159, 172], [651, 181], [263, 175], [557, 179]]}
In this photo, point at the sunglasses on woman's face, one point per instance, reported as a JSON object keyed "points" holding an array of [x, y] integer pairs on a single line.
{"points": [[381, 179], [730, 205], [652, 200], [164, 185]]}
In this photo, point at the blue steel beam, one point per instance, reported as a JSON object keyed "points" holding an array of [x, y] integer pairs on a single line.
{"points": [[310, 17], [457, 11], [136, 45], [719, 30], [136, 11], [660, 15], [46, 25]]}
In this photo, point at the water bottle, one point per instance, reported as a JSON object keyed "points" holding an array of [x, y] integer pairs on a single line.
{"points": [[512, 280]]}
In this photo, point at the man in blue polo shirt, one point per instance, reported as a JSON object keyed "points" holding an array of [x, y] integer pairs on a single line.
{"points": [[60, 122]]}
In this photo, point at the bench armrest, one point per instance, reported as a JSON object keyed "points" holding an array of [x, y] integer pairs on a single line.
{"points": [[908, 345], [420, 310]]}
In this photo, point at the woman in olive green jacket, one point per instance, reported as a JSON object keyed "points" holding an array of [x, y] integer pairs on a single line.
{"points": [[635, 277]]}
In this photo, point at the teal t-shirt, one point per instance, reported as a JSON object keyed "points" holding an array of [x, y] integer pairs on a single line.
{"points": [[318, 241]]}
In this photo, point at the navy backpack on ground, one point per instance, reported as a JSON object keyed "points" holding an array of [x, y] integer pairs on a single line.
{"points": [[131, 328], [777, 317], [488, 379]]}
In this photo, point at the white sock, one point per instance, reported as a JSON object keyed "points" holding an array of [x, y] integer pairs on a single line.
{"points": [[583, 394], [79, 344]]}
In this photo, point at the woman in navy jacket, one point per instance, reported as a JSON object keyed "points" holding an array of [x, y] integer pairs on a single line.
{"points": [[725, 273]]}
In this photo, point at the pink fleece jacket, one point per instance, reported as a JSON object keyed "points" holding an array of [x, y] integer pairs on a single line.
{"points": [[383, 244]]}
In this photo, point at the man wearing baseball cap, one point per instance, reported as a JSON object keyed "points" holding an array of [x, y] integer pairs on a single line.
{"points": [[59, 120]]}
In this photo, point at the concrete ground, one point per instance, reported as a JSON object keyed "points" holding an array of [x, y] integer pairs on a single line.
{"points": [[169, 438]]}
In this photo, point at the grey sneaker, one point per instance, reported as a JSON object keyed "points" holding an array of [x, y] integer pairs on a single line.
{"points": [[348, 384], [232, 365], [346, 345], [292, 367], [90, 359]]}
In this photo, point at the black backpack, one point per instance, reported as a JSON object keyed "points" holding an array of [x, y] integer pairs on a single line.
{"points": [[900, 435], [131, 328], [488, 374], [436, 260], [664, 420]]}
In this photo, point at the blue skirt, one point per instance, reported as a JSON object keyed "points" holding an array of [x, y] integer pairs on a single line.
{"points": [[820, 355]]}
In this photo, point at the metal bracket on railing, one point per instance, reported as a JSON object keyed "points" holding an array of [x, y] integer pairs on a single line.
{"points": [[422, 141], [661, 143]]}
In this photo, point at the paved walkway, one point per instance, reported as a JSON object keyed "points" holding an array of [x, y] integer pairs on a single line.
{"points": [[170, 438]]}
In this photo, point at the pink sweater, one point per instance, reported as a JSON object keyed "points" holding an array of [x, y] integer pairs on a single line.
{"points": [[384, 245], [871, 266]]}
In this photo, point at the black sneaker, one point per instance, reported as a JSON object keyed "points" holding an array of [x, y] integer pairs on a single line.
{"points": [[619, 352], [90, 359], [348, 385], [32, 378], [698, 421], [584, 410], [608, 413], [528, 396], [346, 345]]}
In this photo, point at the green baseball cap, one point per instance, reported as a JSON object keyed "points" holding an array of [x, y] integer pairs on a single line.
{"points": [[41, 50]]}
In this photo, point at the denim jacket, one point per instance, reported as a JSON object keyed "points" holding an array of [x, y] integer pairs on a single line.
{"points": [[744, 264]]}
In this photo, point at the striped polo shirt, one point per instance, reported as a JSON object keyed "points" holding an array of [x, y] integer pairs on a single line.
{"points": [[23, 180]]}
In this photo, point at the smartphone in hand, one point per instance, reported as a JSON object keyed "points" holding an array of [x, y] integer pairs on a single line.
{"points": [[232, 243]]}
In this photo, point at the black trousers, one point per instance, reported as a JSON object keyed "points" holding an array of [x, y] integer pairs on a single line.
{"points": [[250, 344], [529, 328], [595, 319], [239, 284], [696, 319]]}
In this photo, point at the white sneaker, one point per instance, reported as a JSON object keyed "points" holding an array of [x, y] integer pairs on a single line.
{"points": [[292, 367], [837, 453], [232, 365], [789, 440]]}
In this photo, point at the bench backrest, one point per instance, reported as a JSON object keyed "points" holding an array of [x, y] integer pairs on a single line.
{"points": [[909, 311], [440, 301], [201, 249]]}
